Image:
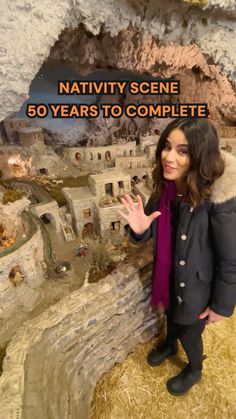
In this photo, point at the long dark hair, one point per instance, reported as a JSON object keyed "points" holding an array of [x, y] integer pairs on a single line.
{"points": [[206, 161]]}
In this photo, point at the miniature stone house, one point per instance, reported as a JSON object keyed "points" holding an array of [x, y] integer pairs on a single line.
{"points": [[11, 126], [98, 157], [29, 136], [150, 151], [146, 140], [228, 144], [94, 208], [226, 131], [132, 162], [110, 183], [81, 205]]}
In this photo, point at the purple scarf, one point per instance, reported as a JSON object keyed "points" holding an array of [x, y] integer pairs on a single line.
{"points": [[164, 260]]}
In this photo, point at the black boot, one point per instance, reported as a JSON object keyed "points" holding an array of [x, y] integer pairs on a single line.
{"points": [[159, 354], [181, 383]]}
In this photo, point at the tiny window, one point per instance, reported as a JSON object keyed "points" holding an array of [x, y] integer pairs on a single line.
{"points": [[87, 212], [115, 225], [121, 184]]}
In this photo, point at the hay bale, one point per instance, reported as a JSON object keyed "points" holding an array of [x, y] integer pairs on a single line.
{"points": [[134, 390]]}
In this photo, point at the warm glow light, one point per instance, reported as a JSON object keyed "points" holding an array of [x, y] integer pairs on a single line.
{"points": [[18, 166]]}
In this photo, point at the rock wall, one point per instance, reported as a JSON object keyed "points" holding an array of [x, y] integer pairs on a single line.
{"points": [[200, 82], [27, 255], [13, 210], [73, 343], [29, 29]]}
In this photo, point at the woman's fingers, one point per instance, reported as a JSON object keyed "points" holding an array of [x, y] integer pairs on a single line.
{"points": [[126, 204], [140, 202], [129, 202], [154, 215]]}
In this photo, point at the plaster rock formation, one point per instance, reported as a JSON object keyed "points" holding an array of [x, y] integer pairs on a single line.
{"points": [[69, 344], [29, 29], [200, 82]]}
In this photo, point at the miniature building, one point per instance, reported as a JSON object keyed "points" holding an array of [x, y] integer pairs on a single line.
{"points": [[228, 144], [143, 189], [150, 151], [99, 157], [146, 140], [110, 183], [94, 208], [81, 204], [12, 126], [131, 162], [29, 136], [226, 132]]}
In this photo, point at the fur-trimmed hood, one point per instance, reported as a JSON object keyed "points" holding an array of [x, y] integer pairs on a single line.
{"points": [[224, 188]]}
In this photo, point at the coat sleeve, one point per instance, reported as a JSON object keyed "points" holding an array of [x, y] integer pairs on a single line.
{"points": [[147, 235], [223, 231]]}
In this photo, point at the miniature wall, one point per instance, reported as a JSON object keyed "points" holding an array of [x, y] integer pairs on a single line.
{"points": [[131, 162], [96, 157], [77, 206], [226, 132], [97, 183], [27, 256], [67, 349], [144, 189], [105, 217], [13, 210], [48, 208]]}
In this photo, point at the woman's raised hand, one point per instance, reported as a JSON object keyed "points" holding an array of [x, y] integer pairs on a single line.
{"points": [[136, 217]]}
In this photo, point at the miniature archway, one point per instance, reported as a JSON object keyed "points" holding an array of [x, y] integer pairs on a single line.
{"points": [[43, 171], [135, 179], [88, 230], [48, 218], [78, 156], [108, 155], [16, 276]]}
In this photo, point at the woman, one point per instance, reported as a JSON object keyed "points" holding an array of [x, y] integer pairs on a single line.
{"points": [[191, 216]]}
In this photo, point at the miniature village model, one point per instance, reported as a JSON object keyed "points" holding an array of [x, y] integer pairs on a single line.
{"points": [[39, 228], [31, 218]]}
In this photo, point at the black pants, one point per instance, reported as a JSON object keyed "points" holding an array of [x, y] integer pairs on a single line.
{"points": [[190, 337]]}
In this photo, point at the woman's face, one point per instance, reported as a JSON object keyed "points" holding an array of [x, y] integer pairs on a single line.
{"points": [[175, 155]]}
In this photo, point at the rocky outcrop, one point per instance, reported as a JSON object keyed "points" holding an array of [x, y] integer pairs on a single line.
{"points": [[53, 364], [200, 82]]}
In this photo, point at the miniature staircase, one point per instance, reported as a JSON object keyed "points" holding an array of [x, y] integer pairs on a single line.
{"points": [[66, 227]]}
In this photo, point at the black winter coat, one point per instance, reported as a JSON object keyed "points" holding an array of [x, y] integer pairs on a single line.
{"points": [[205, 250]]}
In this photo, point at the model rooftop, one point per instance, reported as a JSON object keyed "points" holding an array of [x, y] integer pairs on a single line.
{"points": [[110, 175]]}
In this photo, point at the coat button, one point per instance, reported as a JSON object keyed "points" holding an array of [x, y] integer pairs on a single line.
{"points": [[191, 209], [182, 262], [183, 237], [182, 284]]}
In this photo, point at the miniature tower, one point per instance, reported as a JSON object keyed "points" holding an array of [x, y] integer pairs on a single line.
{"points": [[30, 136]]}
